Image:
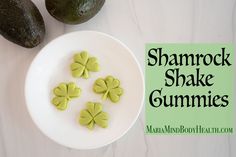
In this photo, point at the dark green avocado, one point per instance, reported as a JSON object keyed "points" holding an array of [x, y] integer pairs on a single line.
{"points": [[21, 22], [73, 11]]}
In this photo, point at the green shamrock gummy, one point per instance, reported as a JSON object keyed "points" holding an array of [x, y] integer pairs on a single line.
{"points": [[83, 64], [63, 93], [109, 87], [93, 115]]}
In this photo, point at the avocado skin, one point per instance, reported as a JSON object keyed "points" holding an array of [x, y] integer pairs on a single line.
{"points": [[21, 22], [73, 11]]}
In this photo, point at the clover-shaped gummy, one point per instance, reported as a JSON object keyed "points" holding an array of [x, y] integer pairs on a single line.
{"points": [[109, 87], [63, 93], [92, 115], [83, 64]]}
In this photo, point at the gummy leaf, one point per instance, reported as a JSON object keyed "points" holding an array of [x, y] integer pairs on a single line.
{"points": [[93, 115], [94, 108], [92, 64], [72, 90], [77, 69], [109, 87], [60, 102], [112, 82], [101, 119], [63, 93], [115, 94], [100, 86], [61, 90], [85, 117], [83, 64], [81, 57]]}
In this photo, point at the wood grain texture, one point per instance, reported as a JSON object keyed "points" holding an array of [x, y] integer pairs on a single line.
{"points": [[135, 22]]}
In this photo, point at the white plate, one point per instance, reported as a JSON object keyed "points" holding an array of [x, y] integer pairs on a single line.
{"points": [[52, 66]]}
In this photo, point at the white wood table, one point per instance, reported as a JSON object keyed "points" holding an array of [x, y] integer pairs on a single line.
{"points": [[135, 22]]}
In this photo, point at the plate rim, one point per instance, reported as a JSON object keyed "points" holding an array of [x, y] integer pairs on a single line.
{"points": [[40, 53]]}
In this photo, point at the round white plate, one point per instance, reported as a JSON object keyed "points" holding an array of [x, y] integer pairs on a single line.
{"points": [[52, 66]]}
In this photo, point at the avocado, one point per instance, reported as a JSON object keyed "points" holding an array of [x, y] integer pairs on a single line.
{"points": [[21, 22], [73, 11]]}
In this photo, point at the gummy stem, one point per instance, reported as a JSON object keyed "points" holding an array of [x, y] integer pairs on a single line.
{"points": [[104, 97]]}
